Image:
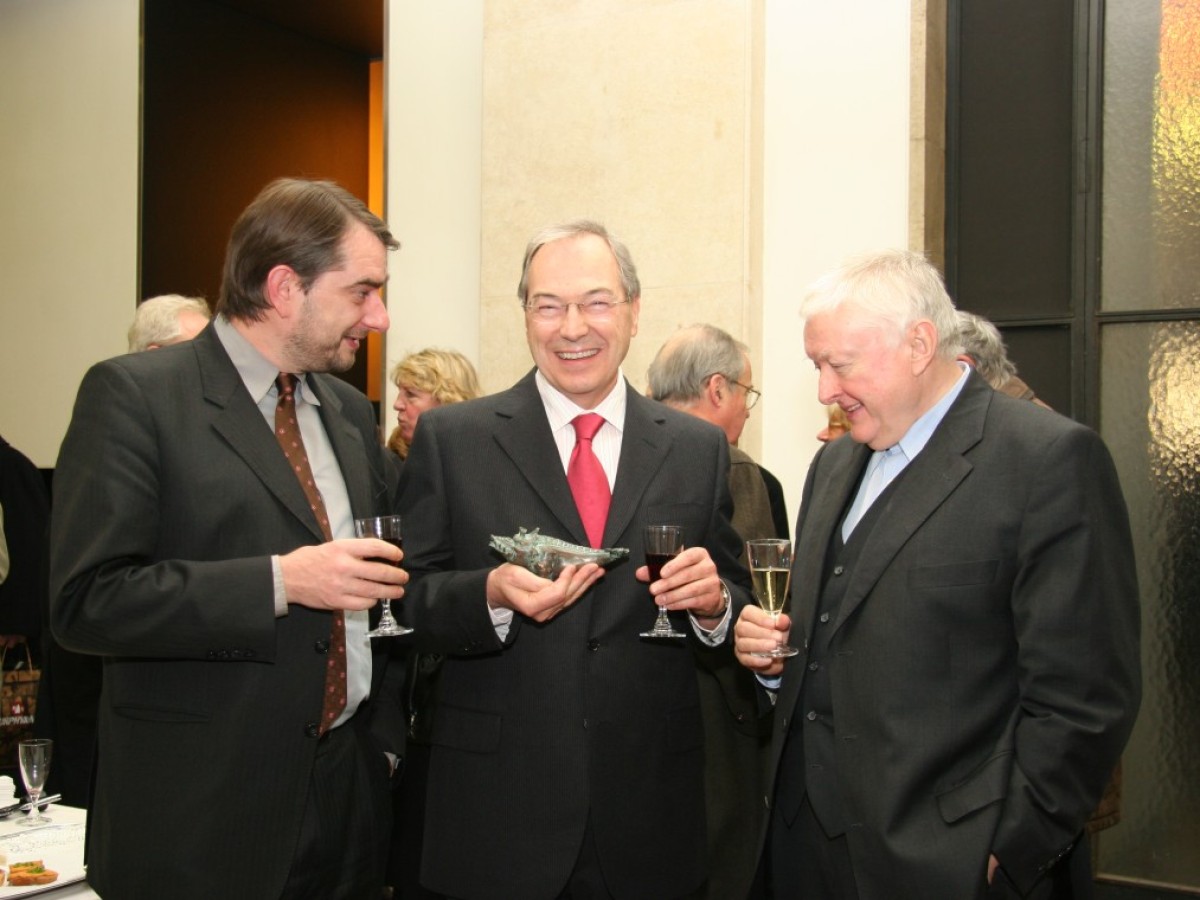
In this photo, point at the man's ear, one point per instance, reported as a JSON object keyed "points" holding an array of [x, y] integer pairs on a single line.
{"points": [[282, 290], [716, 390], [923, 342]]}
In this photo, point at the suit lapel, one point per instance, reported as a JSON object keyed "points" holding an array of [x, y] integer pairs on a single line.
{"points": [[348, 446], [928, 480], [524, 436], [644, 446], [836, 478], [240, 422]]}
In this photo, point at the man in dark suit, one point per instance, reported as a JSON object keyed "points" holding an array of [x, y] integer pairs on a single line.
{"points": [[245, 718], [567, 751], [965, 601]]}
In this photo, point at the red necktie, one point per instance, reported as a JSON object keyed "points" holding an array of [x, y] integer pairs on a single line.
{"points": [[585, 475], [287, 431]]}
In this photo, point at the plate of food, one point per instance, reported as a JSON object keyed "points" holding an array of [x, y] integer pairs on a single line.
{"points": [[42, 859]]}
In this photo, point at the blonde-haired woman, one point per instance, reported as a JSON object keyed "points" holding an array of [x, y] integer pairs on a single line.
{"points": [[426, 379]]}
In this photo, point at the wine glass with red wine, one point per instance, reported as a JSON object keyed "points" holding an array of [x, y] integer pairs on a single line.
{"points": [[384, 528], [661, 543]]}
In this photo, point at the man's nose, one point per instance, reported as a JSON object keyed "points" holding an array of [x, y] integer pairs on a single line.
{"points": [[827, 387], [574, 324], [375, 315]]}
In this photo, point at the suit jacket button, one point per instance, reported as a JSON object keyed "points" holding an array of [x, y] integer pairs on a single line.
{"points": [[321, 646], [838, 570], [312, 730], [811, 716], [824, 617], [593, 645]]}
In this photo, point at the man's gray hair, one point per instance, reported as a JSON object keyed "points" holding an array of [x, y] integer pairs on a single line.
{"points": [[689, 358], [982, 342], [577, 228], [157, 319], [896, 287]]}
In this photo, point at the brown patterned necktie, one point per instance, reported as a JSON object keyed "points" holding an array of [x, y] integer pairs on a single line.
{"points": [[287, 431]]}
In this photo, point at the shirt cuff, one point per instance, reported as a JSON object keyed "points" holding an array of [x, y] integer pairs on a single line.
{"points": [[770, 682], [501, 620], [281, 604], [715, 636]]}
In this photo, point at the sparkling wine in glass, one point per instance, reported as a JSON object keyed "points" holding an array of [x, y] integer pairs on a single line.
{"points": [[384, 528], [770, 563], [661, 543], [34, 757]]}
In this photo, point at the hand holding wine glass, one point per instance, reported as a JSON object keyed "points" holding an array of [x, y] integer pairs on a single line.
{"points": [[661, 544], [770, 563], [384, 528], [34, 758]]}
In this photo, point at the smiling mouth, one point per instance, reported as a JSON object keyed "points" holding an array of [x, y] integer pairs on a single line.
{"points": [[576, 354]]}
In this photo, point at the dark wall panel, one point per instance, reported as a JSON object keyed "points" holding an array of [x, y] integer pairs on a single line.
{"points": [[231, 102], [1043, 360], [1010, 133]]}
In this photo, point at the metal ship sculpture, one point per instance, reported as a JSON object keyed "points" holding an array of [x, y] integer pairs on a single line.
{"points": [[547, 556]]}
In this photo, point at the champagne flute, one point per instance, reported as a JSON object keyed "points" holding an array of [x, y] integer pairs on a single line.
{"points": [[384, 528], [770, 563], [661, 543], [34, 757]]}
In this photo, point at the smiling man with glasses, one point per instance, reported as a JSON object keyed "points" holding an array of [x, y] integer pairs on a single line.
{"points": [[568, 753]]}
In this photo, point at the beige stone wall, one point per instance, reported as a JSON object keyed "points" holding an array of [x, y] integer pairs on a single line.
{"points": [[637, 113]]}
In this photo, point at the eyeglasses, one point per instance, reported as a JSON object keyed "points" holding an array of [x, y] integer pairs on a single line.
{"points": [[550, 311], [751, 394]]}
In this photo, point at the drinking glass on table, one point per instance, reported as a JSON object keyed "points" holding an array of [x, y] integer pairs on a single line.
{"points": [[661, 543], [34, 758], [770, 563], [384, 528]]}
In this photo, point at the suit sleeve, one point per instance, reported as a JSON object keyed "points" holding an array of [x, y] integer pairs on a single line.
{"points": [[445, 604], [1076, 617], [724, 544], [111, 592]]}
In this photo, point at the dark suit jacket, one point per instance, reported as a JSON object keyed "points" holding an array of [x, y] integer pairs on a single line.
{"points": [[578, 718], [984, 661], [171, 494]]}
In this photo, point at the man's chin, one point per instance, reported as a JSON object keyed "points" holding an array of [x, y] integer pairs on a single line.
{"points": [[339, 363]]}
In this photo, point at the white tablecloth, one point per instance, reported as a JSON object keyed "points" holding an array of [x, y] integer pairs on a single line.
{"points": [[60, 816]]}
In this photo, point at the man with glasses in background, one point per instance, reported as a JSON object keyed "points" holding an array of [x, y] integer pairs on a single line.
{"points": [[701, 370], [567, 750]]}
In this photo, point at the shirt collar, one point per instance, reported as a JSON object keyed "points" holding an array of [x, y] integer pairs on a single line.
{"points": [[560, 409], [257, 372], [922, 430]]}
